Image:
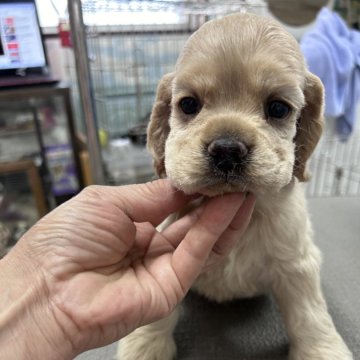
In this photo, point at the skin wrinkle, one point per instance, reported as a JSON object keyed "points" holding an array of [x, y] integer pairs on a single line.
{"points": [[82, 232], [154, 278], [53, 309], [62, 327]]}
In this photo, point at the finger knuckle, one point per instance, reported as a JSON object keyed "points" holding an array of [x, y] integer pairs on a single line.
{"points": [[92, 191]]}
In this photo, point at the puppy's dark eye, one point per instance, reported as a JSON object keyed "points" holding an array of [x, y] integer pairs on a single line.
{"points": [[189, 105], [278, 110]]}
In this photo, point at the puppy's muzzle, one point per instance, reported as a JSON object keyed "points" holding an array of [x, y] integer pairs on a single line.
{"points": [[228, 156]]}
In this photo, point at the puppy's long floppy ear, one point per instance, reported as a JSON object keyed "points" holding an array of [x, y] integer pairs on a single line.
{"points": [[158, 128], [309, 126]]}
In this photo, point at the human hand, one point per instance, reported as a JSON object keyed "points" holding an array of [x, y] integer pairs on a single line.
{"points": [[96, 267]]}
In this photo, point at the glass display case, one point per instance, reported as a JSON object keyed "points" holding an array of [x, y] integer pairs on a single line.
{"points": [[22, 200], [37, 155]]}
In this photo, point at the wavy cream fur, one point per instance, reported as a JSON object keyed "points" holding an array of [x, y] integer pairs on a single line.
{"points": [[234, 65]]}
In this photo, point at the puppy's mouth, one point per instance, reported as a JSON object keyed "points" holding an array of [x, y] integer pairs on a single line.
{"points": [[234, 175], [214, 185]]}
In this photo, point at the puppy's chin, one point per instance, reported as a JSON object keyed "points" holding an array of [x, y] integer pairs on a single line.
{"points": [[220, 189], [215, 187]]}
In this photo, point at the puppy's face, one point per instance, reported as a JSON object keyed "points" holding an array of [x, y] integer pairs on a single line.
{"points": [[233, 108]]}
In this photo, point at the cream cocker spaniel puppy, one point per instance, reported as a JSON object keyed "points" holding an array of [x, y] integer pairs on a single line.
{"points": [[241, 112]]}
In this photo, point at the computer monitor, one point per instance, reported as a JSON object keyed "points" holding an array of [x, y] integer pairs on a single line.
{"points": [[21, 45]]}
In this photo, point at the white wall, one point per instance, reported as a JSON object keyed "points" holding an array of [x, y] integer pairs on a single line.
{"points": [[49, 14]]}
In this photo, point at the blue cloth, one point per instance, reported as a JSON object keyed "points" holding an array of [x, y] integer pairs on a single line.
{"points": [[332, 52]]}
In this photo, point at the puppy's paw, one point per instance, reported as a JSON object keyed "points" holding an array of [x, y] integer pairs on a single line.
{"points": [[332, 350], [139, 346]]}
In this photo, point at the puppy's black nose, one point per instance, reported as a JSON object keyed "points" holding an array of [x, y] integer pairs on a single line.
{"points": [[227, 154]]}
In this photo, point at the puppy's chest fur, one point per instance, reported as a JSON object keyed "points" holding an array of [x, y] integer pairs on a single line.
{"points": [[278, 235]]}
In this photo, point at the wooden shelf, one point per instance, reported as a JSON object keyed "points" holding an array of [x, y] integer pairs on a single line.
{"points": [[24, 131]]}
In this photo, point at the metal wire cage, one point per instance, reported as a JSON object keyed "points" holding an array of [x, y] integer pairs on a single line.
{"points": [[335, 164], [132, 44]]}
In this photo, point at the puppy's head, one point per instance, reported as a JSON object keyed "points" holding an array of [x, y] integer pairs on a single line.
{"points": [[240, 112]]}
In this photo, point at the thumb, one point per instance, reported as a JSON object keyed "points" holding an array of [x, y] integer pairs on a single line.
{"points": [[150, 202]]}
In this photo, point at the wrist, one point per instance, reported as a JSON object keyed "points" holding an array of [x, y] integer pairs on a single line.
{"points": [[28, 326]]}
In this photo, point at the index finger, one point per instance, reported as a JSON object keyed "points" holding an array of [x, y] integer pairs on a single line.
{"points": [[192, 253]]}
